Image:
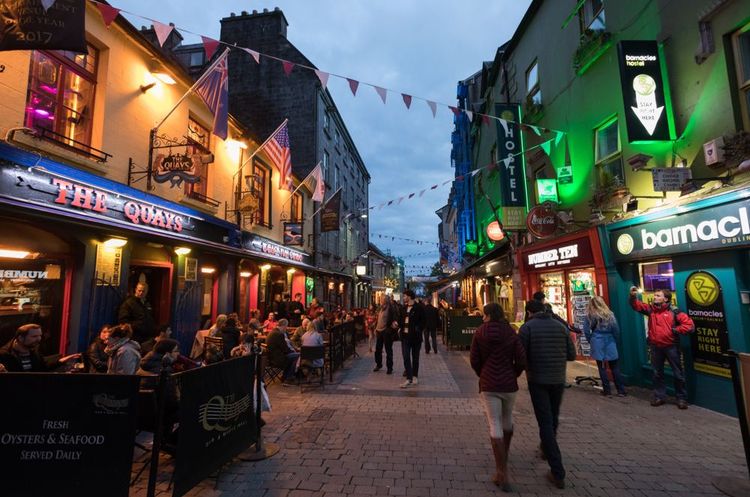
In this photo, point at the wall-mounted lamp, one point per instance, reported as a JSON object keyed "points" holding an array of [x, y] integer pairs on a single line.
{"points": [[291, 271], [235, 144], [160, 74], [208, 270], [182, 250], [14, 254], [265, 267], [115, 242], [245, 274]]}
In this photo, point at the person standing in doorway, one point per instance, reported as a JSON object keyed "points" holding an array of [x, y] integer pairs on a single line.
{"points": [[295, 311], [601, 330], [431, 324], [137, 312], [665, 325], [412, 328], [386, 328], [548, 347]]}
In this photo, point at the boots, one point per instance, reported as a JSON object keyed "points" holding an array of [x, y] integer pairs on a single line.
{"points": [[507, 436], [501, 464]]}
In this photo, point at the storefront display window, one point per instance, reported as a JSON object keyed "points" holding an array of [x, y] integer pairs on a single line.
{"points": [[32, 291], [553, 286]]}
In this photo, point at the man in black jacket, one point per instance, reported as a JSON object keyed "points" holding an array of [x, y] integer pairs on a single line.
{"points": [[548, 348], [386, 328], [412, 327], [21, 355], [136, 311], [295, 310], [431, 324]]}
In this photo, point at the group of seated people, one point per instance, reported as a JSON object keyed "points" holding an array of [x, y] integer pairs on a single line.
{"points": [[283, 346]]}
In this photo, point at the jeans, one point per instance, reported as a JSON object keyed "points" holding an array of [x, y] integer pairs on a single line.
{"points": [[411, 357], [615, 368], [291, 365], [384, 337], [672, 355], [427, 335], [498, 408], [546, 400]]}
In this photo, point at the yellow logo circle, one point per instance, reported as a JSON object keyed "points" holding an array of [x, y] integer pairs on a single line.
{"points": [[625, 244], [703, 289]]}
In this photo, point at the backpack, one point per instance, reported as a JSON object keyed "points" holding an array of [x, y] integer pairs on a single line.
{"points": [[675, 312]]}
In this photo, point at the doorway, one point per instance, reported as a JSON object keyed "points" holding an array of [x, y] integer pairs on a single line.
{"points": [[158, 280]]}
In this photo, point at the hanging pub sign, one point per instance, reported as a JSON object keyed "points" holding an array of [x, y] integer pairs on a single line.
{"points": [[564, 175], [495, 231], [330, 216], [643, 91], [542, 220], [546, 190], [293, 234], [177, 168], [43, 25], [510, 159], [710, 342]]}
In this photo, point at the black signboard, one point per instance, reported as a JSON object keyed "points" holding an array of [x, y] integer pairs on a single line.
{"points": [[217, 419], [710, 342], [721, 226], [81, 197], [461, 330], [43, 25], [330, 216], [67, 434], [643, 91], [510, 165], [293, 234], [270, 249]]}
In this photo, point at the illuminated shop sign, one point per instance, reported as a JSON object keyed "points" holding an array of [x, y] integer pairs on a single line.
{"points": [[510, 159], [574, 253], [718, 227], [260, 245], [643, 91]]}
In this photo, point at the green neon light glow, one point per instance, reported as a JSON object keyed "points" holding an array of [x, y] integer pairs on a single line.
{"points": [[523, 162]]}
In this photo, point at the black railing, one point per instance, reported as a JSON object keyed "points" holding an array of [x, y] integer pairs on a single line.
{"points": [[71, 144], [204, 198]]}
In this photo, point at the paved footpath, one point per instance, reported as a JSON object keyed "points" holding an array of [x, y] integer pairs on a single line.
{"points": [[363, 436]]}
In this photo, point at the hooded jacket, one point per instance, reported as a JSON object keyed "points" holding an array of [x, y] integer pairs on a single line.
{"points": [[665, 323], [497, 357], [124, 356]]}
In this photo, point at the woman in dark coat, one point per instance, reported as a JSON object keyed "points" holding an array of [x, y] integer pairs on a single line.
{"points": [[498, 358]]}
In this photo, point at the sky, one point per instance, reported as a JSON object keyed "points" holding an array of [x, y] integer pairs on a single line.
{"points": [[419, 47]]}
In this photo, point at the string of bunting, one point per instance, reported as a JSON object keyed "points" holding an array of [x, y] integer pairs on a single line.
{"points": [[420, 254], [394, 238], [109, 14]]}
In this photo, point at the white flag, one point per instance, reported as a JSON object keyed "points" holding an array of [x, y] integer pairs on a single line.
{"points": [[319, 186]]}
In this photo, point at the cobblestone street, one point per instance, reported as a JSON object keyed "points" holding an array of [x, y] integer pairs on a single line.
{"points": [[364, 435]]}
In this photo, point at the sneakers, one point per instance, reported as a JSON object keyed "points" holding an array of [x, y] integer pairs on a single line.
{"points": [[605, 394], [622, 394], [554, 481], [390, 371], [681, 404], [657, 402], [407, 383], [415, 381], [377, 368]]}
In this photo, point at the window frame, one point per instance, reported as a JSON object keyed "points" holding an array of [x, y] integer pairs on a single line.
{"points": [[264, 195], [586, 26], [601, 162], [743, 85], [195, 146], [296, 208], [534, 93]]}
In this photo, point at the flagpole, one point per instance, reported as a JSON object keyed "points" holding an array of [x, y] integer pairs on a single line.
{"points": [[325, 202], [239, 170], [198, 82], [299, 186]]}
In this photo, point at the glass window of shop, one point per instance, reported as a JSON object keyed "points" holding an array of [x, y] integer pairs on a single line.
{"points": [[199, 138], [32, 291], [658, 275], [568, 292], [208, 278]]}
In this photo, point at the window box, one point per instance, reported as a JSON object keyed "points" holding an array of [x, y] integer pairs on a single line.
{"points": [[593, 44], [610, 195], [63, 151]]}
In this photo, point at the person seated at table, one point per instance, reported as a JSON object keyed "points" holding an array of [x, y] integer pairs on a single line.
{"points": [[163, 331], [95, 354], [230, 334], [281, 354], [21, 354], [247, 342], [270, 323], [214, 330], [312, 338], [299, 331], [161, 358], [124, 353], [212, 354]]}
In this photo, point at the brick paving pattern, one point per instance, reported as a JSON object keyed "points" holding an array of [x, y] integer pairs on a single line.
{"points": [[365, 436]]}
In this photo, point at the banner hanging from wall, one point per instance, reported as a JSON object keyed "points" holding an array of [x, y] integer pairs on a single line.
{"points": [[510, 159], [293, 234], [710, 342], [67, 434], [43, 25], [330, 216]]}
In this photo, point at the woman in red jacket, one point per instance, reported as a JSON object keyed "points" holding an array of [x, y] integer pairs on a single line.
{"points": [[498, 358]]}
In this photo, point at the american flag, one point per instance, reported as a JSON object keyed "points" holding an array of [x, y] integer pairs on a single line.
{"points": [[279, 150], [213, 87]]}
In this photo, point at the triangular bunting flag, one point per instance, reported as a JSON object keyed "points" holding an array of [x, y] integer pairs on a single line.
{"points": [[401, 199], [433, 187], [411, 195], [407, 100], [455, 110], [390, 202], [353, 85], [460, 178], [506, 161], [209, 45], [546, 146], [323, 77], [558, 136], [380, 207], [254, 54], [382, 92], [504, 124], [445, 182], [162, 31], [422, 192], [536, 130], [47, 4], [470, 115], [108, 13], [485, 119], [433, 107], [288, 66]]}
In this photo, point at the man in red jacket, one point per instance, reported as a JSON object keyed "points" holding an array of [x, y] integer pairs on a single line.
{"points": [[665, 324]]}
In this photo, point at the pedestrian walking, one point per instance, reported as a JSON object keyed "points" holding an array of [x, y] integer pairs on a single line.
{"points": [[498, 358], [411, 329], [431, 324], [548, 347], [665, 325], [602, 332], [386, 329]]}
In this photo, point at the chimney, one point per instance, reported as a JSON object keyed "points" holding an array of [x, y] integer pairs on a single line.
{"points": [[254, 29]]}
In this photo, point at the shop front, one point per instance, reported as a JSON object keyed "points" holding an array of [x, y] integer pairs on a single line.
{"points": [[700, 251], [76, 244], [569, 269]]}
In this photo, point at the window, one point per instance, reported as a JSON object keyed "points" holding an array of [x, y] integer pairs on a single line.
{"points": [[326, 160], [60, 99], [741, 42], [335, 177], [533, 92], [262, 184], [295, 213], [196, 59], [591, 16], [199, 138], [326, 121], [337, 137], [608, 154]]}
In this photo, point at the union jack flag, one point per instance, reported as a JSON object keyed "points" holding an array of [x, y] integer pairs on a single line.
{"points": [[213, 87], [280, 152]]}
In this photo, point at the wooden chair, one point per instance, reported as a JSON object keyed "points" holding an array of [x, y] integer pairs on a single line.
{"points": [[216, 342], [270, 373], [308, 354]]}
